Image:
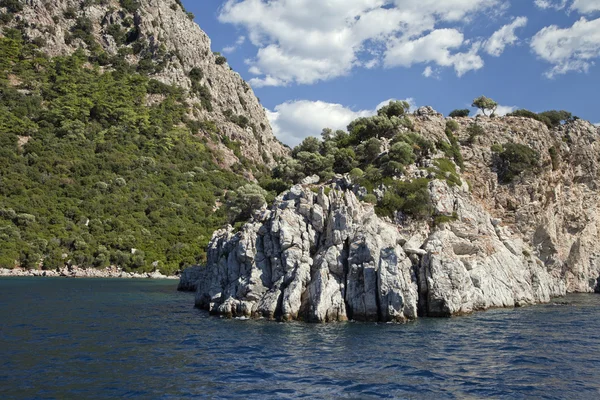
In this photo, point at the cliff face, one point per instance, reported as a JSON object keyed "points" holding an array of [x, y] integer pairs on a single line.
{"points": [[320, 254], [159, 31]]}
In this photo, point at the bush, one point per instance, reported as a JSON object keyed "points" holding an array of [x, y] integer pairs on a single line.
{"points": [[394, 109], [220, 60], [555, 118], [130, 5], [411, 198], [516, 159], [13, 6], [460, 113], [245, 200], [402, 153], [474, 130]]}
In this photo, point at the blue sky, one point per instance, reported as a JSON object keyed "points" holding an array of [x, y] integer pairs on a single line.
{"points": [[316, 63]]}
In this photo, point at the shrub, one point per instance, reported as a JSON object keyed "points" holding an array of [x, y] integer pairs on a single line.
{"points": [[220, 60], [554, 118], [370, 198], [356, 173], [245, 200], [452, 126], [474, 130], [402, 153], [460, 113], [13, 6], [130, 5], [394, 109], [411, 198], [516, 159]]}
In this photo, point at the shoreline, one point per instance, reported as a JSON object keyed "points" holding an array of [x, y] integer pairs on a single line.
{"points": [[75, 272]]}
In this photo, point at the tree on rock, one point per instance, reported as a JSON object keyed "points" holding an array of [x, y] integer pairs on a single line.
{"points": [[244, 201], [485, 103]]}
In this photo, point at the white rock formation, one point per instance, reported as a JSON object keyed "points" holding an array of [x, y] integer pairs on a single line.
{"points": [[328, 257]]}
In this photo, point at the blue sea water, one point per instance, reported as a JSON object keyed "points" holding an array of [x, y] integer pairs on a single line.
{"points": [[84, 339]]}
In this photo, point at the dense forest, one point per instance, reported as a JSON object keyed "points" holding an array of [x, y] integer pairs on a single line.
{"points": [[99, 165]]}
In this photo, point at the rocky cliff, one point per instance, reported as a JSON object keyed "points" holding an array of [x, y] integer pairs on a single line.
{"points": [[320, 254], [159, 36]]}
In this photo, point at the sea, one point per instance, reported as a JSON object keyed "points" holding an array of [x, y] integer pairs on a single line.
{"points": [[141, 339]]}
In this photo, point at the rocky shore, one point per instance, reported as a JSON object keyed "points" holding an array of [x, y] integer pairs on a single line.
{"points": [[75, 272]]}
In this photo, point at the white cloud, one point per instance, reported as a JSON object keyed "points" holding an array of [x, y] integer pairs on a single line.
{"points": [[586, 6], [569, 49], [597, 124], [434, 47], [230, 49], [553, 4], [295, 120], [501, 110], [306, 41], [429, 72], [503, 37]]}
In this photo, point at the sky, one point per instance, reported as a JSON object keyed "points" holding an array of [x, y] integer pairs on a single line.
{"points": [[322, 63]]}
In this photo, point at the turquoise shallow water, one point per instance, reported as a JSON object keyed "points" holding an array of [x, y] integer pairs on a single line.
{"points": [[79, 339]]}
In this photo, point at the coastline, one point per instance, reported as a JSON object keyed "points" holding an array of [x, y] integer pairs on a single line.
{"points": [[75, 272]]}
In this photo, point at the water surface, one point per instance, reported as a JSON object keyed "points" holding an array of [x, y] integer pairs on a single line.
{"points": [[69, 338]]}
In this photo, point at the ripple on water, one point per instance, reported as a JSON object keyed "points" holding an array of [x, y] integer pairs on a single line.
{"points": [[142, 339]]}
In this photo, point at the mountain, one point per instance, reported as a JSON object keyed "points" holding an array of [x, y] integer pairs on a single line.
{"points": [[417, 215], [122, 135]]}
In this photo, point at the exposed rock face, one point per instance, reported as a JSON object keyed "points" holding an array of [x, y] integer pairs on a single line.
{"points": [[329, 257], [315, 257], [319, 257], [188, 281], [166, 34]]}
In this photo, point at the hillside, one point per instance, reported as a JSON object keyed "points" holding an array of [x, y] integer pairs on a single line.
{"points": [[122, 135], [417, 215]]}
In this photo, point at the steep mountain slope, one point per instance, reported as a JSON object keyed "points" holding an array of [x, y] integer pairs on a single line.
{"points": [[516, 225], [122, 135], [161, 39]]}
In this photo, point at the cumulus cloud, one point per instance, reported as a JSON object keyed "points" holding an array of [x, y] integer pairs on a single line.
{"points": [[293, 121], [434, 47], [597, 124], [306, 41], [586, 6], [503, 37], [501, 110], [569, 49]]}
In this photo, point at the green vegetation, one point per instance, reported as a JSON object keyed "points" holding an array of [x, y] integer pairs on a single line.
{"points": [[375, 152], [220, 59], [460, 113], [474, 131], [89, 171], [452, 150], [485, 104], [552, 118], [516, 159]]}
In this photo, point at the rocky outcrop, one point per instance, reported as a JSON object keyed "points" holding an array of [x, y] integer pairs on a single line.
{"points": [[320, 254], [75, 272], [161, 31], [188, 281], [328, 257]]}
